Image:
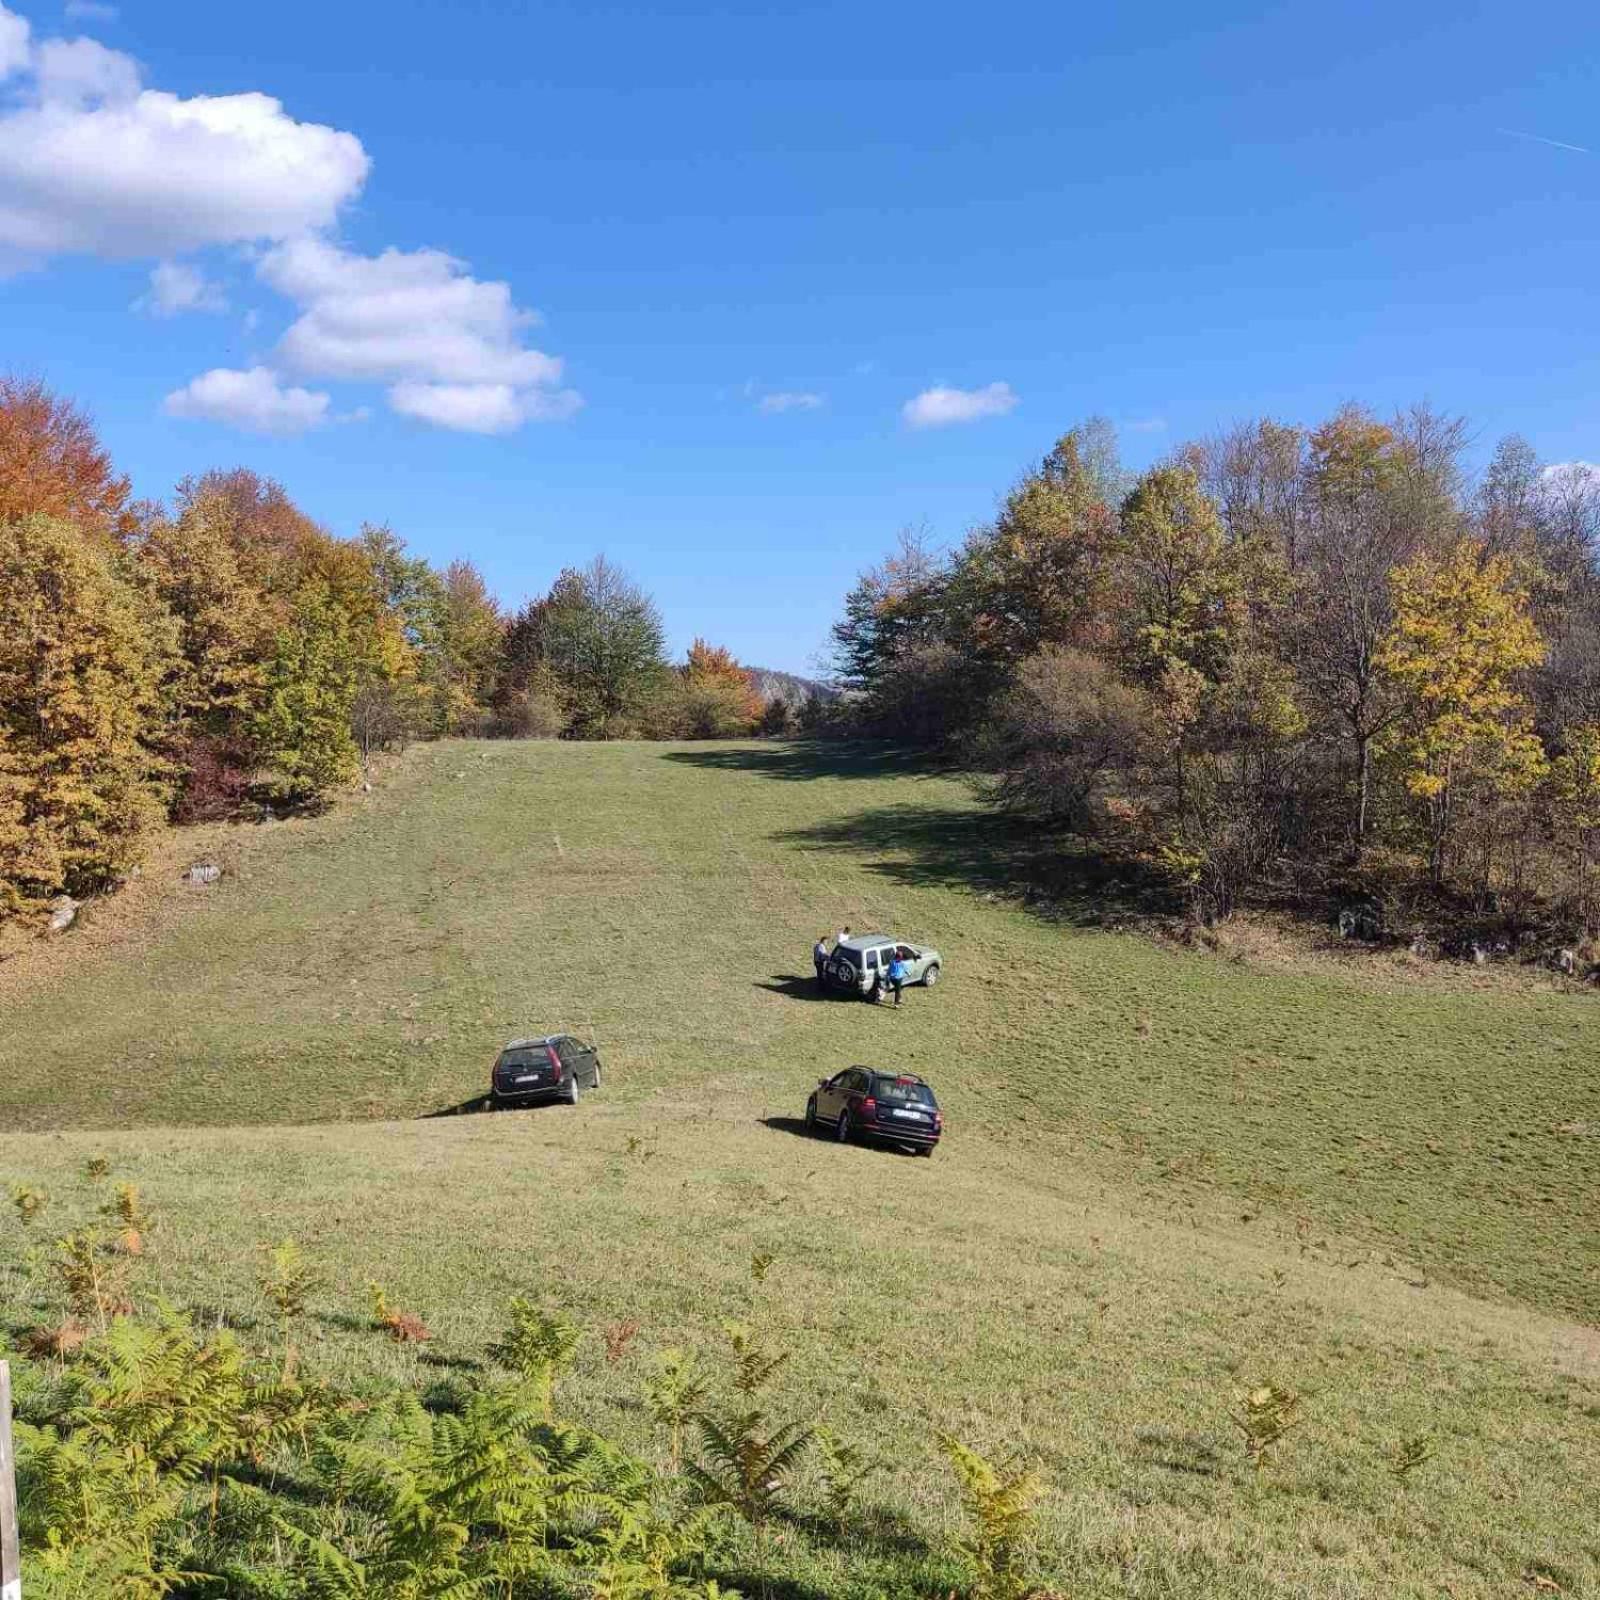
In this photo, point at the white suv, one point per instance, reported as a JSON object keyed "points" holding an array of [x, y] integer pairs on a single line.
{"points": [[862, 965]]}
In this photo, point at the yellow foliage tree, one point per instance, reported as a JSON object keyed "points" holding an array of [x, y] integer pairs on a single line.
{"points": [[83, 658], [1461, 638]]}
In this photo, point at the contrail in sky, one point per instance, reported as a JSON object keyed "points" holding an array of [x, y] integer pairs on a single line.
{"points": [[1539, 138]]}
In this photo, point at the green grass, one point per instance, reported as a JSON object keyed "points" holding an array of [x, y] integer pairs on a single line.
{"points": [[1168, 1175]]}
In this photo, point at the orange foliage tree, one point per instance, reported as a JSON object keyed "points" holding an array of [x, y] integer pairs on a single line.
{"points": [[52, 464]]}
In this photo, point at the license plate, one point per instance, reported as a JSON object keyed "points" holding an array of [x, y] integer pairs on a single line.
{"points": [[529, 1077], [910, 1116]]}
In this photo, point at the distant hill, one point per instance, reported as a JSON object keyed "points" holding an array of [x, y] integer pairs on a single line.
{"points": [[773, 685]]}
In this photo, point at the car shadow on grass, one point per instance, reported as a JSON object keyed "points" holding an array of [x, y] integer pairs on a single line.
{"points": [[466, 1108], [797, 1127], [792, 986]]}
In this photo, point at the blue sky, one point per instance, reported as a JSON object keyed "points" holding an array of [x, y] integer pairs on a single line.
{"points": [[1172, 215]]}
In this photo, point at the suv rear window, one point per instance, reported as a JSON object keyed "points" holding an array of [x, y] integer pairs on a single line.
{"points": [[533, 1055], [852, 956], [894, 1093]]}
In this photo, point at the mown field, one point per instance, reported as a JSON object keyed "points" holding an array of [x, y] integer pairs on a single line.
{"points": [[1168, 1175]]}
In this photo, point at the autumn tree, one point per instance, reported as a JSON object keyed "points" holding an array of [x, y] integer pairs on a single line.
{"points": [[462, 657], [1461, 639], [1357, 531], [1068, 727], [83, 658], [53, 465], [303, 729], [716, 697], [1255, 474], [1040, 575]]}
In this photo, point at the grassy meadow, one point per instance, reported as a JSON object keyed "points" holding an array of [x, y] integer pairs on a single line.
{"points": [[1168, 1175]]}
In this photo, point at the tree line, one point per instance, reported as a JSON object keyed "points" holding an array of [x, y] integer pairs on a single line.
{"points": [[1284, 660], [224, 652]]}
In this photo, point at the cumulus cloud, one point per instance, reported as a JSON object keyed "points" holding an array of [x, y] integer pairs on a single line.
{"points": [[93, 163], [939, 407], [254, 400], [789, 400], [176, 287], [450, 344], [14, 49], [480, 407]]}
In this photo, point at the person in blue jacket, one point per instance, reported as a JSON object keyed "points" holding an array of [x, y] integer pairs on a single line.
{"points": [[897, 976]]}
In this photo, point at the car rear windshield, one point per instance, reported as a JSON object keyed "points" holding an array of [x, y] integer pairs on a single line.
{"points": [[852, 956], [894, 1093], [532, 1055]]}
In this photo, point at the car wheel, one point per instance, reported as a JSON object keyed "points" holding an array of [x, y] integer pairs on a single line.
{"points": [[596, 1083], [925, 1150], [571, 1095], [842, 1130], [931, 976], [811, 1115]]}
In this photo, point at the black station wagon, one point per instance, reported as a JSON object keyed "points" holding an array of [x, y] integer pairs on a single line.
{"points": [[558, 1067], [863, 1103]]}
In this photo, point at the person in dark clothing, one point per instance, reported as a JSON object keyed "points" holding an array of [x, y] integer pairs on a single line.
{"points": [[819, 957]]}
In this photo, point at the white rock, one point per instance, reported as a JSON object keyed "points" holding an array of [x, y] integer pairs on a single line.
{"points": [[63, 913], [203, 872]]}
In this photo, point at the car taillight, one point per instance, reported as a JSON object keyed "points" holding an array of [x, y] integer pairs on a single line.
{"points": [[869, 1107], [555, 1060], [938, 1122]]}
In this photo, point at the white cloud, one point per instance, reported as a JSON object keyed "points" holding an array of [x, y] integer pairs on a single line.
{"points": [[450, 344], [255, 401], [72, 74], [14, 35], [92, 163], [176, 287], [1146, 425], [480, 407], [939, 407], [90, 11], [788, 400]]}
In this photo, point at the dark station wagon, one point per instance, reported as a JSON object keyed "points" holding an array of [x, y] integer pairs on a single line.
{"points": [[557, 1067], [863, 1103]]}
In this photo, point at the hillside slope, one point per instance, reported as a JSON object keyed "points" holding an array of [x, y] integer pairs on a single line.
{"points": [[1167, 1177], [369, 963]]}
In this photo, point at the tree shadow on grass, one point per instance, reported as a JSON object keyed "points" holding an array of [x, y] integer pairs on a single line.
{"points": [[876, 1527], [1056, 875], [432, 1358], [803, 760], [343, 1321]]}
